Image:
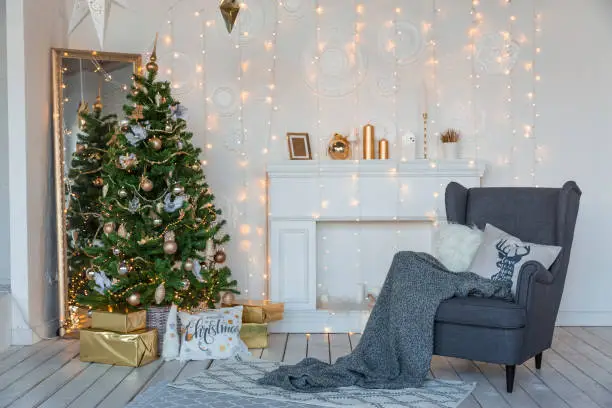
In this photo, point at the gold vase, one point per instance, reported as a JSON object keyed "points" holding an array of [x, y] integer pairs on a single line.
{"points": [[369, 143], [339, 147]]}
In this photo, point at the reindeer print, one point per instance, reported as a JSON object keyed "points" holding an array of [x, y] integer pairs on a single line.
{"points": [[509, 254]]}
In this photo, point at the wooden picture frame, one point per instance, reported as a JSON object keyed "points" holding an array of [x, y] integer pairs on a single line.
{"points": [[299, 146]]}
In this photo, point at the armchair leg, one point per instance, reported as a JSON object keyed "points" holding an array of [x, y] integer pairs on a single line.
{"points": [[538, 361], [510, 371]]}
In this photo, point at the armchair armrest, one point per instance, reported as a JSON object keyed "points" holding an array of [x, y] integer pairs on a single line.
{"points": [[534, 284]]}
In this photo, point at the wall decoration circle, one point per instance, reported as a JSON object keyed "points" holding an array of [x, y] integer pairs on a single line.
{"points": [[405, 37], [225, 100], [251, 21], [294, 8], [177, 67], [235, 142], [497, 53], [385, 85], [336, 69]]}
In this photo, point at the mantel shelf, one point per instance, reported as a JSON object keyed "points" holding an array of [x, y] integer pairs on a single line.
{"points": [[421, 167]]}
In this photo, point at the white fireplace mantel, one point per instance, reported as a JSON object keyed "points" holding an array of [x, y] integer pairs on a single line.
{"points": [[303, 194]]}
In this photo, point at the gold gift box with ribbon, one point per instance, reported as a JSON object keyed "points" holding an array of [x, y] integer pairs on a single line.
{"points": [[106, 347], [120, 322], [260, 311], [254, 335]]}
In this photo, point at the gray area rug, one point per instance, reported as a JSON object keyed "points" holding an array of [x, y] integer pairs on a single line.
{"points": [[234, 383]]}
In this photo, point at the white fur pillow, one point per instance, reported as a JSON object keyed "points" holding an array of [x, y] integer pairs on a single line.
{"points": [[456, 245]]}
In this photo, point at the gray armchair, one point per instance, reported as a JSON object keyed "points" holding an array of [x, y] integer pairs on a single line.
{"points": [[494, 330]]}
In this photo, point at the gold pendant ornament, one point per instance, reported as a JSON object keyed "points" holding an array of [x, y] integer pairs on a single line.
{"points": [[339, 147], [229, 11]]}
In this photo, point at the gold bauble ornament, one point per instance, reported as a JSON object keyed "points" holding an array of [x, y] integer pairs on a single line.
{"points": [[188, 265], [146, 185], [98, 182], [155, 143], [228, 298], [122, 231], [170, 247], [339, 147], [97, 107], [134, 299], [109, 228], [220, 257], [90, 273], [160, 294]]}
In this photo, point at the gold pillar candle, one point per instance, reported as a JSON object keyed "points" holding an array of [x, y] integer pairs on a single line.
{"points": [[383, 149], [369, 143]]}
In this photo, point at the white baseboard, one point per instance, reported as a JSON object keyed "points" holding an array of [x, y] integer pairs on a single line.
{"points": [[584, 318], [6, 322]]}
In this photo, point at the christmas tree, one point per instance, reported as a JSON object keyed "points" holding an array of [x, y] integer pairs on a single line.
{"points": [[161, 231], [83, 187]]}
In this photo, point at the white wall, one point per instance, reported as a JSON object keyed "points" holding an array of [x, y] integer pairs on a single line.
{"points": [[573, 98], [4, 177], [33, 28]]}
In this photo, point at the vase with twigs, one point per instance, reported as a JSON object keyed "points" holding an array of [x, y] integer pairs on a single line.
{"points": [[450, 143]]}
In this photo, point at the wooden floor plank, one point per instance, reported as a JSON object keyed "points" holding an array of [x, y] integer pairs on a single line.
{"points": [[256, 353], [276, 348], [484, 393], [193, 368], [318, 347], [442, 370], [130, 386], [296, 348], [354, 338], [166, 373], [339, 345], [102, 387], [9, 361], [587, 366], [540, 393], [564, 388], [9, 352], [51, 384], [592, 339], [496, 375], [24, 384], [590, 387], [584, 348], [31, 363], [71, 391], [604, 333]]}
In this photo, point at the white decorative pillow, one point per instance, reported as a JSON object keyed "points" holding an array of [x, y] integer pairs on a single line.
{"points": [[213, 334], [171, 337], [455, 245], [501, 256]]}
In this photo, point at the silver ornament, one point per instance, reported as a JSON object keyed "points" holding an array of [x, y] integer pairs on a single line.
{"points": [[116, 251], [157, 222], [188, 265], [90, 273], [160, 294], [123, 269], [180, 145], [186, 284], [109, 228], [134, 299], [170, 247], [178, 190], [123, 193], [228, 298]]}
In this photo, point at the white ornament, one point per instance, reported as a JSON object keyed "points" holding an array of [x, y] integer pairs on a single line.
{"points": [[99, 10], [160, 294]]}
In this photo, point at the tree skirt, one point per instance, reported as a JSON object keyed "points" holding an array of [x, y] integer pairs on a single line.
{"points": [[234, 384]]}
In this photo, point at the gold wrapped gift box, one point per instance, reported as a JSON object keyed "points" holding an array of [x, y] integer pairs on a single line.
{"points": [[119, 322], [254, 335], [260, 311], [105, 347]]}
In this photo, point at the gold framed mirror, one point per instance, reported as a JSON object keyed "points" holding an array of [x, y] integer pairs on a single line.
{"points": [[88, 87]]}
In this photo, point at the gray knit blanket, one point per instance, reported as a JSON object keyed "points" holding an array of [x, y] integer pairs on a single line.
{"points": [[397, 344]]}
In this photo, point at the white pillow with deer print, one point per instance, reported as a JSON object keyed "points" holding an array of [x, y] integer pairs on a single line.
{"points": [[501, 256]]}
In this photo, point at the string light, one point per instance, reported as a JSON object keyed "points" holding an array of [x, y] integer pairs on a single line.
{"points": [[473, 33], [537, 32], [433, 45], [505, 61]]}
